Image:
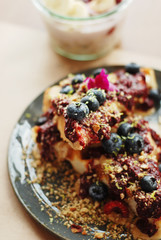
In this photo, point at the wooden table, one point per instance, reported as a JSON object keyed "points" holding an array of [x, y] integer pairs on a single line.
{"points": [[27, 66], [141, 32]]}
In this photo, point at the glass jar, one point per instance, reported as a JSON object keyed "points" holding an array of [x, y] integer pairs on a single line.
{"points": [[84, 38]]}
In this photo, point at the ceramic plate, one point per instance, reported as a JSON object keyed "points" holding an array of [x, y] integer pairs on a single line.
{"points": [[32, 196]]}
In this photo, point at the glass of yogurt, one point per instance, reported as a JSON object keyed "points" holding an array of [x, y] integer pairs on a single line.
{"points": [[83, 29]]}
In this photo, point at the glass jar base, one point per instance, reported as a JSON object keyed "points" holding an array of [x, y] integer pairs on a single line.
{"points": [[79, 57]]}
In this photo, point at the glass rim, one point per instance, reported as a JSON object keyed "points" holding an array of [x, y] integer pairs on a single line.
{"points": [[119, 7]]}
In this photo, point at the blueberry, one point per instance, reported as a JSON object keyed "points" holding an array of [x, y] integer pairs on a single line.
{"points": [[132, 68], [155, 95], [148, 183], [124, 129], [134, 143], [99, 94], [41, 120], [77, 111], [77, 79], [112, 145], [98, 191], [159, 166], [67, 90], [91, 102], [98, 71]]}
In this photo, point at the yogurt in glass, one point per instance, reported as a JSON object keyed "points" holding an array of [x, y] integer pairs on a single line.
{"points": [[83, 29]]}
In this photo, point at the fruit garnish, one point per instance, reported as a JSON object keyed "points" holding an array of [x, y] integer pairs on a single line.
{"points": [[146, 227], [76, 228], [41, 120], [132, 68], [118, 1], [148, 183], [124, 129], [91, 102], [155, 95], [98, 191], [116, 206], [100, 81], [112, 145], [134, 143], [77, 110], [159, 166], [77, 79], [98, 93], [98, 71], [67, 90]]}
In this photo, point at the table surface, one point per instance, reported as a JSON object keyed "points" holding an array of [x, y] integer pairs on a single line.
{"points": [[28, 66], [141, 31]]}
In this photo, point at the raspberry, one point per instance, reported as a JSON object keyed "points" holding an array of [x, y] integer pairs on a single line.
{"points": [[76, 228], [118, 1], [116, 206]]}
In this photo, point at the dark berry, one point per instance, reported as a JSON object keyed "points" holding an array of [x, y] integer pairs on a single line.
{"points": [[155, 95], [118, 1], [86, 1], [91, 102], [76, 228], [41, 120], [112, 145], [132, 68], [99, 94], [148, 183], [67, 90], [77, 79], [98, 71], [124, 129], [159, 167], [77, 110], [98, 191], [146, 227], [134, 143]]}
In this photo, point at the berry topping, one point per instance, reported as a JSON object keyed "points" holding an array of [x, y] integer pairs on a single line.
{"points": [[91, 102], [98, 191], [99, 94], [124, 129], [118, 1], [77, 79], [41, 120], [155, 95], [134, 143], [98, 71], [146, 227], [159, 167], [67, 90], [112, 145], [148, 183], [116, 206], [77, 111], [76, 228], [132, 68]]}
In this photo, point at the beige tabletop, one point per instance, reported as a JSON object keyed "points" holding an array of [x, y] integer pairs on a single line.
{"points": [[28, 66]]}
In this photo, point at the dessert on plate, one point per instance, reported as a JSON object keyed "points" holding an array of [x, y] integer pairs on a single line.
{"points": [[97, 124]]}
